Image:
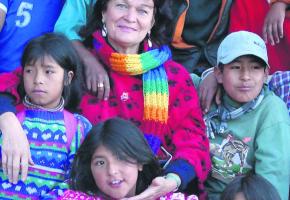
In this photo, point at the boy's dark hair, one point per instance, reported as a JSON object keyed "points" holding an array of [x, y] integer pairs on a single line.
{"points": [[126, 142], [62, 51], [159, 33], [252, 186]]}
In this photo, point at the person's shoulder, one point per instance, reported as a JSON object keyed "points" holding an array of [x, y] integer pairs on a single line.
{"points": [[273, 109], [272, 101]]}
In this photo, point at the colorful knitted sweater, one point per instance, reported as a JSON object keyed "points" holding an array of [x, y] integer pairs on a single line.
{"points": [[184, 133], [52, 151], [74, 195]]}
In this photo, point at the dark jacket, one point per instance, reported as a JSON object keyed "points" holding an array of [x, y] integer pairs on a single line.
{"points": [[198, 30]]}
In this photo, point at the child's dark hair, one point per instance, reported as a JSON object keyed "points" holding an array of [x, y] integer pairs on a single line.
{"points": [[126, 142], [252, 186], [62, 51]]}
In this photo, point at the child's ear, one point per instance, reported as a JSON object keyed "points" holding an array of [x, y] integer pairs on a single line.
{"points": [[266, 74], [218, 75], [70, 76]]}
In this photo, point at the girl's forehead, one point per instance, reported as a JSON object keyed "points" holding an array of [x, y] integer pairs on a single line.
{"points": [[43, 60], [102, 150]]}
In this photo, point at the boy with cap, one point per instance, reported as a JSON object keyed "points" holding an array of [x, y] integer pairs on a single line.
{"points": [[249, 130]]}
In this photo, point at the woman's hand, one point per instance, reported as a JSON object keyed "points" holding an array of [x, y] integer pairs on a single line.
{"points": [[97, 79], [273, 24], [160, 186], [208, 90], [15, 148]]}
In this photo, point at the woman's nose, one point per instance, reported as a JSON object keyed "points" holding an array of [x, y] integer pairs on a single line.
{"points": [[131, 15]]}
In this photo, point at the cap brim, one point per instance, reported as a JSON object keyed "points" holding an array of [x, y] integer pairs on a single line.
{"points": [[234, 55]]}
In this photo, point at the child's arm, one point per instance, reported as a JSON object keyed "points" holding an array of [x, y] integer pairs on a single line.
{"points": [[3, 11], [15, 147], [274, 20], [208, 89]]}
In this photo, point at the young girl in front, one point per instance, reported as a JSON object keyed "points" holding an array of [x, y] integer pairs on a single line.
{"points": [[51, 84], [114, 162]]}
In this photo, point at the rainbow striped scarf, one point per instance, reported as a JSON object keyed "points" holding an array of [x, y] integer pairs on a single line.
{"points": [[150, 65]]}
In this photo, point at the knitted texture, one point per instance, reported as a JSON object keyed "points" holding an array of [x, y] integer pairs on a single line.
{"points": [[150, 66], [46, 133], [74, 195]]}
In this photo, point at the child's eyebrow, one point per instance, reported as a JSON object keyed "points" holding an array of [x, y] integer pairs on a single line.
{"points": [[236, 61], [97, 156], [48, 66]]}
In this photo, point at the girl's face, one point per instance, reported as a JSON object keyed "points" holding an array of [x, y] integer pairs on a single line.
{"points": [[128, 22], [115, 178], [44, 81]]}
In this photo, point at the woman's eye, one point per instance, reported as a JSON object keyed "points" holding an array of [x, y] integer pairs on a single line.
{"points": [[120, 5], [143, 12]]}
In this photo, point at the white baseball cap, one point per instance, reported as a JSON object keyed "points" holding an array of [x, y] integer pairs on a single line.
{"points": [[241, 43]]}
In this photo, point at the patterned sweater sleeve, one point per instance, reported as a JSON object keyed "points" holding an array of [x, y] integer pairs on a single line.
{"points": [[83, 127], [187, 129]]}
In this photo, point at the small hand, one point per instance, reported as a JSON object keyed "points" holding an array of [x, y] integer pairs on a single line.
{"points": [[273, 24], [15, 148], [160, 186], [208, 89]]}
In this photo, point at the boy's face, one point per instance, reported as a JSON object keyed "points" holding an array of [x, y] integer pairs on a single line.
{"points": [[243, 78]]}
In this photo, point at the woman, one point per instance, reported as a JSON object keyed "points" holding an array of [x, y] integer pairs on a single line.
{"points": [[149, 89]]}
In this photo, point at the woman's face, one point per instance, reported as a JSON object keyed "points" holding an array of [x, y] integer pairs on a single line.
{"points": [[128, 22]]}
